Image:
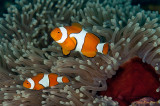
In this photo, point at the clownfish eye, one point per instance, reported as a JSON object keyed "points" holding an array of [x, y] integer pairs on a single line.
{"points": [[58, 32], [27, 82]]}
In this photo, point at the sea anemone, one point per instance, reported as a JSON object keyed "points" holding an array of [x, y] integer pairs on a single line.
{"points": [[26, 49]]}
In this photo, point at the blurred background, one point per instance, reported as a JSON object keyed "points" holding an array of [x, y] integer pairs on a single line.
{"points": [[153, 5], [4, 4]]}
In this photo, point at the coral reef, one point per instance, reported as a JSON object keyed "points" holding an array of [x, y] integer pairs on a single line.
{"points": [[27, 49]]}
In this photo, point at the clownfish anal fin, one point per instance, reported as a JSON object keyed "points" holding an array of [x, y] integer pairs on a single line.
{"points": [[89, 54], [77, 25], [65, 52]]}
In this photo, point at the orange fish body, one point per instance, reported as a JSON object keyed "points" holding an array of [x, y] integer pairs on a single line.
{"points": [[76, 38], [40, 81]]}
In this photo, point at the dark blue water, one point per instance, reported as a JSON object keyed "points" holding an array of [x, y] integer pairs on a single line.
{"points": [[4, 4]]}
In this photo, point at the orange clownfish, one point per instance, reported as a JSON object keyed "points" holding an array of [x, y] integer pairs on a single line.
{"points": [[76, 38], [41, 81]]}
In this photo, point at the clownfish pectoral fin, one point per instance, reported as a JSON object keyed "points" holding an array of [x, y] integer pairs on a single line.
{"points": [[77, 25], [89, 54], [69, 44], [65, 52], [74, 40], [39, 87]]}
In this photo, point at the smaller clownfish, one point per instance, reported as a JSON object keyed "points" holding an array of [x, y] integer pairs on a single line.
{"points": [[41, 81], [76, 38]]}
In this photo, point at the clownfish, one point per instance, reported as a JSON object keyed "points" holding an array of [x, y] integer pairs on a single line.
{"points": [[41, 81], [76, 38]]}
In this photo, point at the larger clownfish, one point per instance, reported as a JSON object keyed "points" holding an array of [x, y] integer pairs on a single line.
{"points": [[76, 38], [41, 81]]}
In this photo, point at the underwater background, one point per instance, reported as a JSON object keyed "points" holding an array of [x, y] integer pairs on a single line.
{"points": [[152, 5], [128, 75]]}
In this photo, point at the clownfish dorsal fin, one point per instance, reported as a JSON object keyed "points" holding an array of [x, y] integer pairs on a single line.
{"points": [[77, 25]]}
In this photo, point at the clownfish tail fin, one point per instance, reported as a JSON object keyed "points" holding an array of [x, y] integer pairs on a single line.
{"points": [[103, 48], [65, 79], [62, 79]]}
